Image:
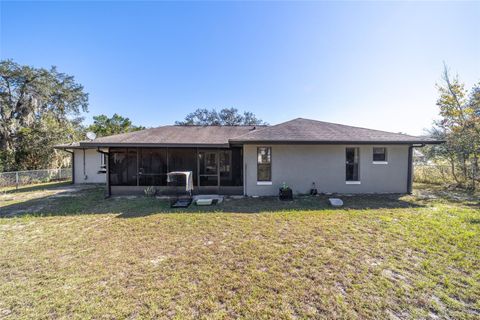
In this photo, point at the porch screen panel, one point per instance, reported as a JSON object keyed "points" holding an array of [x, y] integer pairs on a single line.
{"points": [[231, 165], [183, 159], [132, 167], [153, 167], [123, 166]]}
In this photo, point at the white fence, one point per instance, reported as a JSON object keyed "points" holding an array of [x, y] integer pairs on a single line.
{"points": [[19, 178]]}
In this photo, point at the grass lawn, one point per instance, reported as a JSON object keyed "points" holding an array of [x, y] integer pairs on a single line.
{"points": [[74, 254]]}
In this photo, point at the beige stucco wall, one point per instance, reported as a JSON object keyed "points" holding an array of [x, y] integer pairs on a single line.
{"points": [[300, 165], [92, 166]]}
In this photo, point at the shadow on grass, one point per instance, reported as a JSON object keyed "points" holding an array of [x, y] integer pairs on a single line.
{"points": [[92, 201], [458, 196], [36, 187], [473, 205]]}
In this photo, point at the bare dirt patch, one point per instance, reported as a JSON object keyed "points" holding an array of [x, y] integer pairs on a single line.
{"points": [[19, 202]]}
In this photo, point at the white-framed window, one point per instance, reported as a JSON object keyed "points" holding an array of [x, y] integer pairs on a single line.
{"points": [[103, 163], [352, 168], [264, 165], [379, 155]]}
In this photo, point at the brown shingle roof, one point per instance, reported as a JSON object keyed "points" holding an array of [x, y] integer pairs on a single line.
{"points": [[305, 130], [175, 135], [294, 131]]}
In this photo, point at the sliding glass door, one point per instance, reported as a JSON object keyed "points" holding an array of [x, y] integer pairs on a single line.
{"points": [[208, 168], [218, 168]]}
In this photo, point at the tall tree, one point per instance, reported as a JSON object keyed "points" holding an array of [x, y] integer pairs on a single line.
{"points": [[459, 124], [105, 126], [225, 117], [34, 147], [27, 94]]}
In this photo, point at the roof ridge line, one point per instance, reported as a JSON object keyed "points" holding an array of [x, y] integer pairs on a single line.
{"points": [[214, 125], [263, 128]]}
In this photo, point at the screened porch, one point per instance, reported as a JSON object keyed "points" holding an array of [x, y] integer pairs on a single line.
{"points": [[214, 170]]}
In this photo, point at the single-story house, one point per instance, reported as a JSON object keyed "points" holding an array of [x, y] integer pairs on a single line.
{"points": [[251, 160]]}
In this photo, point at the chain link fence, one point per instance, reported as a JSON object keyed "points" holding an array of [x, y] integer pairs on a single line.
{"points": [[20, 178], [425, 173]]}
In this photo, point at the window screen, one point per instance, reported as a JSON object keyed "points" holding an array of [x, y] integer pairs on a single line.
{"points": [[153, 167], [123, 166], [379, 154], [231, 163], [264, 164], [183, 159]]}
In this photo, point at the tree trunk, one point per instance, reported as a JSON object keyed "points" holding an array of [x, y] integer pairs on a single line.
{"points": [[464, 167], [474, 170], [452, 164]]}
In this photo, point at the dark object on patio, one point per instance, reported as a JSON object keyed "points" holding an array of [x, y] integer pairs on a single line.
{"points": [[285, 193], [180, 203], [182, 198], [313, 191]]}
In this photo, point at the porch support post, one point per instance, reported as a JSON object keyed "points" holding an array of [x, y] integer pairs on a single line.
{"points": [[109, 189]]}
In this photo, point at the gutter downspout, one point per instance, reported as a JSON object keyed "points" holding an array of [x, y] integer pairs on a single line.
{"points": [[410, 170], [107, 180]]}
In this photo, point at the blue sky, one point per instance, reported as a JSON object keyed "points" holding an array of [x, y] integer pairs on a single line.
{"points": [[370, 64]]}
